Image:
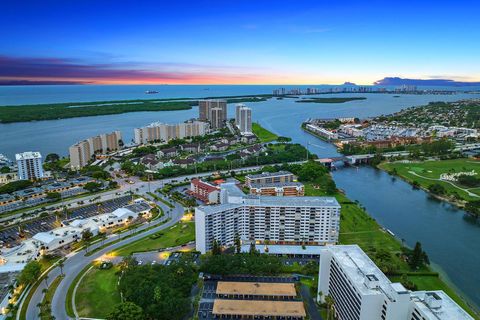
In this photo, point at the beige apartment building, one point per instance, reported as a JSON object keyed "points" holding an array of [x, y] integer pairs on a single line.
{"points": [[213, 111], [81, 152], [163, 132]]}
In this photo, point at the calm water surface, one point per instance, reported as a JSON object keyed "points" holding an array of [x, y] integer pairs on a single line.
{"points": [[451, 240]]}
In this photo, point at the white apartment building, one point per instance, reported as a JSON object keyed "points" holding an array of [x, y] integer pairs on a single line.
{"points": [[243, 119], [29, 165], [361, 291], [81, 152], [312, 220], [164, 132]]}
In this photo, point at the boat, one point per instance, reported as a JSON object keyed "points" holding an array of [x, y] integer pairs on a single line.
{"points": [[151, 92]]}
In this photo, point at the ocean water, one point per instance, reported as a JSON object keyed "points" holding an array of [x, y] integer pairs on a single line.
{"points": [[444, 232]]}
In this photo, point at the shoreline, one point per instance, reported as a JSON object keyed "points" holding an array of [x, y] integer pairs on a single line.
{"points": [[459, 204]]}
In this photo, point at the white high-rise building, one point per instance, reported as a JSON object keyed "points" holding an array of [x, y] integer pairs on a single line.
{"points": [[309, 220], [360, 291], [29, 165], [163, 132], [243, 119]]}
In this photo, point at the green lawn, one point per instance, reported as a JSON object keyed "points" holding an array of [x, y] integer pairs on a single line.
{"points": [[176, 235], [357, 227], [263, 134], [432, 170], [97, 294]]}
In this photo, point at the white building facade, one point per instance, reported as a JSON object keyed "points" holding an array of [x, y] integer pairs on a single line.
{"points": [[360, 291], [243, 119], [294, 220], [29, 165]]}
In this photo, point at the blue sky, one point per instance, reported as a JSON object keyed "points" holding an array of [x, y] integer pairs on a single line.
{"points": [[239, 41]]}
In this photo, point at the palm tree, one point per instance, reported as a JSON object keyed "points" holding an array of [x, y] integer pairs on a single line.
{"points": [[60, 265], [46, 280], [330, 306]]}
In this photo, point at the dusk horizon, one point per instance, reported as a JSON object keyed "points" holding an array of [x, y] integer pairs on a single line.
{"points": [[210, 42]]}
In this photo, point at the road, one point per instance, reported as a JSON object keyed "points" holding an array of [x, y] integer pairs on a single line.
{"points": [[77, 262]]}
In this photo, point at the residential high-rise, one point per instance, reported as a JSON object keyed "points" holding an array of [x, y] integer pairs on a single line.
{"points": [[243, 119], [360, 291], [29, 165], [218, 117], [163, 132], [81, 152], [296, 220]]}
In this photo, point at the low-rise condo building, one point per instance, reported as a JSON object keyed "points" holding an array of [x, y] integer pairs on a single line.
{"points": [[279, 189], [270, 177], [204, 191]]}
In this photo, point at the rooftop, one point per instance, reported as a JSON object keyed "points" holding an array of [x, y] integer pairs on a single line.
{"points": [[448, 309], [359, 267], [256, 288], [269, 174], [28, 155], [259, 308], [276, 185]]}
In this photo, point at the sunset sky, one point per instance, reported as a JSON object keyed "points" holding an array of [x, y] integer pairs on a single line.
{"points": [[238, 42]]}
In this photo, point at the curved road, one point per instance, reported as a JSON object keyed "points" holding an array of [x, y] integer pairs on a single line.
{"points": [[78, 261], [75, 263]]}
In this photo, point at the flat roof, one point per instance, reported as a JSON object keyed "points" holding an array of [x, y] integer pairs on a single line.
{"points": [[285, 249], [259, 308], [27, 155], [268, 174], [448, 309], [256, 288], [276, 185], [357, 265]]}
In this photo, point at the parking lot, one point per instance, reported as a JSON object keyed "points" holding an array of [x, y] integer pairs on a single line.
{"points": [[205, 307], [166, 256], [11, 235]]}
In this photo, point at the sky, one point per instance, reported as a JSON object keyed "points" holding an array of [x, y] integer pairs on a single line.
{"points": [[238, 42]]}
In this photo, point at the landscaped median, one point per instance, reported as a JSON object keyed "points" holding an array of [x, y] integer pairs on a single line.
{"points": [[178, 234], [97, 289], [97, 293]]}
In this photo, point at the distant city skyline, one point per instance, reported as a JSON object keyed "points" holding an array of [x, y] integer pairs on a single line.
{"points": [[249, 42]]}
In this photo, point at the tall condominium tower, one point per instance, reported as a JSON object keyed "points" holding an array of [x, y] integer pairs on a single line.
{"points": [[216, 117], [243, 119], [29, 165]]}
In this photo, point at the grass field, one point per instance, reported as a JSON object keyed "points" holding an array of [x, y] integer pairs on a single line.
{"points": [[357, 227], [263, 134], [426, 173], [97, 293], [176, 235]]}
